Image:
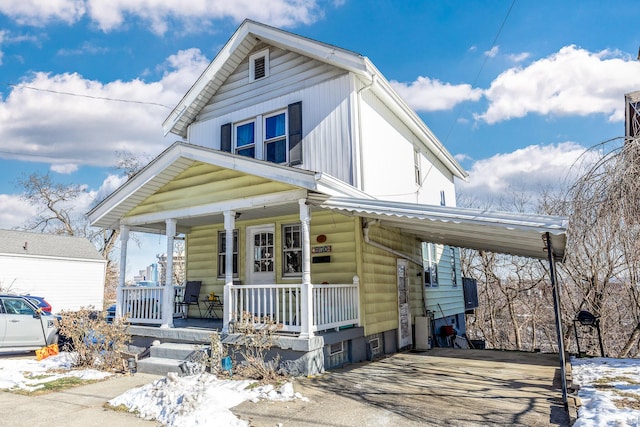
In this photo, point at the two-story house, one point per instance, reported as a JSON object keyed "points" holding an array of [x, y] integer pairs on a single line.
{"points": [[310, 193]]}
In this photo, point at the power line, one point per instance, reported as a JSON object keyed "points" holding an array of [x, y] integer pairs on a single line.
{"points": [[79, 95], [486, 58]]}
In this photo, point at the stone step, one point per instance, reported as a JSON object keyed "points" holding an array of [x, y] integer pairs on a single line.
{"points": [[177, 351], [159, 366]]}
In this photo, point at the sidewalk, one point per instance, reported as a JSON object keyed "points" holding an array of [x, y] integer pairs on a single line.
{"points": [[80, 406]]}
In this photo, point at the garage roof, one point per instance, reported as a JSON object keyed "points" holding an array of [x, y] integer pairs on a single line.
{"points": [[502, 232]]}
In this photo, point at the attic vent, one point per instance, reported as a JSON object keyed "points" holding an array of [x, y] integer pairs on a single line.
{"points": [[259, 65], [258, 68]]}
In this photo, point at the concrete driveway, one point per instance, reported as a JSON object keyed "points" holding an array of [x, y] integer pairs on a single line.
{"points": [[439, 387]]}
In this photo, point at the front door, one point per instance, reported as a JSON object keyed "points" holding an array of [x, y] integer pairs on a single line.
{"points": [[261, 255], [404, 313], [261, 270]]}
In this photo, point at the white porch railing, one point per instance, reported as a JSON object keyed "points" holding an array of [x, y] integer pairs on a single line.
{"points": [[143, 304], [333, 305]]}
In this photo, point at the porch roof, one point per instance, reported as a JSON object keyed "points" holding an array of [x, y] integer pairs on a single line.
{"points": [[502, 232], [180, 156]]}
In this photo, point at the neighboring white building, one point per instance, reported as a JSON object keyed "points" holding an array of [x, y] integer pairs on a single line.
{"points": [[67, 271]]}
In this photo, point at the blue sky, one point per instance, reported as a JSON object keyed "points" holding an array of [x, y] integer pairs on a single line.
{"points": [[515, 90]]}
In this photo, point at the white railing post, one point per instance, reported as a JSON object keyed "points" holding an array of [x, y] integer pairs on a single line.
{"points": [[306, 307], [227, 307], [356, 282], [167, 295], [124, 240]]}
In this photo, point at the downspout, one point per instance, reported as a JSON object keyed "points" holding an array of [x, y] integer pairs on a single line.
{"points": [[365, 234], [359, 174]]}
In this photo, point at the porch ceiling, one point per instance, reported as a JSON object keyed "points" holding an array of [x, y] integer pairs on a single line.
{"points": [[501, 232]]}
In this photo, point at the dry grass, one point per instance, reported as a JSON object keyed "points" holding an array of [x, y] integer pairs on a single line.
{"points": [[92, 341]]}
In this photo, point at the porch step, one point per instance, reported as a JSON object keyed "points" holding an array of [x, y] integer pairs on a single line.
{"points": [[159, 365], [167, 357], [178, 351]]}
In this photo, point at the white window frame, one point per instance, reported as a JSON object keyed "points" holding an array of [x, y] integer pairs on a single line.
{"points": [[417, 167], [255, 136], [454, 273], [252, 60], [259, 135], [293, 249], [264, 141]]}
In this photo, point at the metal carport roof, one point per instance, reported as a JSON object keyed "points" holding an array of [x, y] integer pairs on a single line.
{"points": [[503, 232]]}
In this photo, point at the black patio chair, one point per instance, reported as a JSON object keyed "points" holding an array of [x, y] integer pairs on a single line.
{"points": [[191, 296]]}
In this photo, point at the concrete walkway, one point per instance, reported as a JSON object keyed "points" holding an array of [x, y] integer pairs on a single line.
{"points": [[80, 406], [440, 387]]}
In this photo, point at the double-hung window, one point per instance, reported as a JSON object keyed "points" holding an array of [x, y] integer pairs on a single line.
{"points": [[264, 137], [291, 250], [222, 253], [275, 138], [246, 139]]}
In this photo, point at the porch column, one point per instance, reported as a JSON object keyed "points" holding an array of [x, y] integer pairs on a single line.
{"points": [[228, 304], [124, 240], [306, 288], [168, 294]]}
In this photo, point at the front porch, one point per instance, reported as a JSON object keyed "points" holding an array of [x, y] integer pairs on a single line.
{"points": [[333, 306]]}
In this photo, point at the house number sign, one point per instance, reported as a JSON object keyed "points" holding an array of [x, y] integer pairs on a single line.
{"points": [[321, 249]]}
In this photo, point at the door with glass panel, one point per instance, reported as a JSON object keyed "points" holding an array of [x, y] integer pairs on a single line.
{"points": [[261, 270]]}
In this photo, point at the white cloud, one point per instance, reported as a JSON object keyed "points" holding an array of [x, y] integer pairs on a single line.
{"points": [[425, 94], [64, 168], [40, 12], [49, 126], [160, 15], [572, 81], [525, 172], [14, 211], [493, 52], [519, 57]]}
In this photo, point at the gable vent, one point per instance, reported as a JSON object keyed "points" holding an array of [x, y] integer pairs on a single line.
{"points": [[259, 65], [259, 68]]}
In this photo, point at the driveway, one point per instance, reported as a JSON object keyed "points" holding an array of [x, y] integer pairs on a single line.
{"points": [[439, 387]]}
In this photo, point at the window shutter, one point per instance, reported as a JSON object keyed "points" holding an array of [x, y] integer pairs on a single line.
{"points": [[225, 137], [295, 133]]}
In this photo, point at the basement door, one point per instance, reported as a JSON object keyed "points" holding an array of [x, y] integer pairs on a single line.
{"points": [[404, 313]]}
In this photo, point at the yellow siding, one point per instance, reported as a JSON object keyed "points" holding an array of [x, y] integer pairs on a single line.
{"points": [[203, 184], [379, 289], [202, 250]]}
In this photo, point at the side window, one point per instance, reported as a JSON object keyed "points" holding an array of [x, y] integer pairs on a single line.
{"points": [[222, 253], [430, 264], [454, 267], [18, 306], [291, 250]]}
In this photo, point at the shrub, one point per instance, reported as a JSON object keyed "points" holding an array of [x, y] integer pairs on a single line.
{"points": [[92, 341], [255, 339]]}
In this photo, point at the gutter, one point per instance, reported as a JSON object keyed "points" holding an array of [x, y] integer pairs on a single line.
{"points": [[365, 234]]}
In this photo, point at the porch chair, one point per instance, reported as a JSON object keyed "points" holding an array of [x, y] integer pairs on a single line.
{"points": [[191, 296]]}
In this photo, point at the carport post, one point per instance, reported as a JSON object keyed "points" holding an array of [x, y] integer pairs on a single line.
{"points": [[556, 306]]}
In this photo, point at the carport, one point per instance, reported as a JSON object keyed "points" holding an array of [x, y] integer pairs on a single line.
{"points": [[532, 236]]}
